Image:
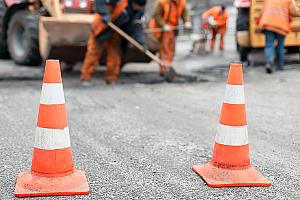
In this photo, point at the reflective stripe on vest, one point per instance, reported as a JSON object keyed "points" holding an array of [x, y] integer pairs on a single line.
{"points": [[277, 10]]}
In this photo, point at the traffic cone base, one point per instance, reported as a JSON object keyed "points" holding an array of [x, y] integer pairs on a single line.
{"points": [[230, 164], [30, 185], [221, 177]]}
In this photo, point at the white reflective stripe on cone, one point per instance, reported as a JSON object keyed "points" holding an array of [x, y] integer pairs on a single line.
{"points": [[232, 135], [50, 139], [52, 93], [234, 94]]}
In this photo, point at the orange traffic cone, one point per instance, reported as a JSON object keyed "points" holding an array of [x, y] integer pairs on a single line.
{"points": [[52, 171], [230, 165]]}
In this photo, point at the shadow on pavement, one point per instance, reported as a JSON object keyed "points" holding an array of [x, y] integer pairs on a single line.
{"points": [[20, 78], [125, 78], [197, 76]]}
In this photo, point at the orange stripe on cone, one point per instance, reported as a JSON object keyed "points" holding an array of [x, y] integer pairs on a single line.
{"points": [[230, 165], [227, 157], [52, 162], [52, 171], [233, 115], [52, 116]]}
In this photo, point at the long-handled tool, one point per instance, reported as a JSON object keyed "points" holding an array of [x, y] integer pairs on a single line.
{"points": [[159, 30], [169, 75]]}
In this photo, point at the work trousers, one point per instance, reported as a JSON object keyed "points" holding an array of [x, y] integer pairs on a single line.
{"points": [[167, 49], [270, 48], [214, 33], [94, 52]]}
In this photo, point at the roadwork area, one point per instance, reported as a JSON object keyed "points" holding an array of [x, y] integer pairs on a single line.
{"points": [[140, 138]]}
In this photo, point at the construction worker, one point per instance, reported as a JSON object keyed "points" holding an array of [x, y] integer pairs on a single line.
{"points": [[134, 26], [166, 16], [217, 18], [136, 10], [276, 24], [130, 22], [102, 38]]}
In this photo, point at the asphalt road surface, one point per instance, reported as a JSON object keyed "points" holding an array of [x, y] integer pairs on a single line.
{"points": [[139, 139]]}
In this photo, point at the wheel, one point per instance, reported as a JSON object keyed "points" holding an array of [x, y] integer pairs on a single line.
{"points": [[3, 45], [22, 38]]}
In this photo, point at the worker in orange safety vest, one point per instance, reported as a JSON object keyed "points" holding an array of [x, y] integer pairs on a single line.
{"points": [[276, 24], [166, 16], [217, 18], [101, 38]]}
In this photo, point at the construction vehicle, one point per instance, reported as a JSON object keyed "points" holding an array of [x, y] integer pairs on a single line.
{"points": [[255, 38], [35, 30]]}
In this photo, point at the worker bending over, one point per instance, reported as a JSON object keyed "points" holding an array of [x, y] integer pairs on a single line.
{"points": [[276, 24], [166, 16], [103, 38], [217, 18]]}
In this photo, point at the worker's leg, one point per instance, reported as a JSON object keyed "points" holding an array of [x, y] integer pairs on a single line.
{"points": [[94, 51], [221, 47], [113, 60], [280, 51], [269, 48], [213, 39], [244, 54], [167, 50]]}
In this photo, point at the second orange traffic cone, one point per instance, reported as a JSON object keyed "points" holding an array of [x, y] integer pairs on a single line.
{"points": [[230, 164], [52, 171]]}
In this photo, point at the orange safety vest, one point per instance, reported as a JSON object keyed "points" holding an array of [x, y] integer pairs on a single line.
{"points": [[221, 20], [172, 12], [98, 26], [276, 16]]}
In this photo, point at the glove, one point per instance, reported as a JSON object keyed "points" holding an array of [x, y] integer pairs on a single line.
{"points": [[123, 19], [167, 27], [211, 21], [188, 25], [105, 19]]}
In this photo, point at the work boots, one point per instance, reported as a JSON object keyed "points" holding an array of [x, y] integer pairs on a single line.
{"points": [[170, 74], [269, 68]]}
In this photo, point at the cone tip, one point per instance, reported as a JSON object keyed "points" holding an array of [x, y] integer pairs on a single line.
{"points": [[235, 76], [52, 71]]}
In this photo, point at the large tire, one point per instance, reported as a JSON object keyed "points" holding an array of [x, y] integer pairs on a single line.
{"points": [[22, 39], [3, 44]]}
